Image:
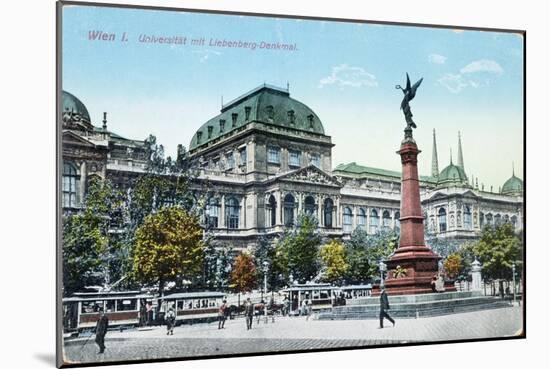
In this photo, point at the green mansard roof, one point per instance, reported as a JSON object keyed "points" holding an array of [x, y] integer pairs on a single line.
{"points": [[360, 171], [266, 104]]}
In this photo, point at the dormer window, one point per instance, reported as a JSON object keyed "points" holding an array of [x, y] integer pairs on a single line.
{"points": [[270, 112], [247, 112], [199, 136], [291, 117], [210, 129], [222, 125], [234, 119], [310, 120]]}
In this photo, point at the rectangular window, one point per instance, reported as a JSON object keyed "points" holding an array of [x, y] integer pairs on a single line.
{"points": [[294, 158], [316, 160], [242, 153], [230, 161], [274, 155], [126, 305]]}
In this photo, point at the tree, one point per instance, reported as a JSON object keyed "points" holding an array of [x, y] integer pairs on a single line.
{"points": [[498, 248], [168, 245], [243, 275], [217, 265], [92, 256], [357, 257], [297, 250], [453, 265], [333, 259]]}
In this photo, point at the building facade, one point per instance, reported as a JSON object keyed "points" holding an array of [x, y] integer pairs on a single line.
{"points": [[267, 159]]}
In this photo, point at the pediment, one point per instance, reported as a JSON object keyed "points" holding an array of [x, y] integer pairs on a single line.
{"points": [[73, 138], [310, 174]]}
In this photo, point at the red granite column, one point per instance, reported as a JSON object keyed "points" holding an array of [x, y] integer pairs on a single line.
{"points": [[413, 264]]}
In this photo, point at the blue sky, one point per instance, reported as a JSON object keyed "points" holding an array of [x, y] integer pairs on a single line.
{"points": [[346, 72]]}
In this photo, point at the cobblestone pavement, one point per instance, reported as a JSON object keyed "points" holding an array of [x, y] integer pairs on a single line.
{"points": [[289, 334]]}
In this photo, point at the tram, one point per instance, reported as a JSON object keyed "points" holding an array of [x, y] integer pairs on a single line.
{"points": [[193, 307], [319, 294], [82, 310]]}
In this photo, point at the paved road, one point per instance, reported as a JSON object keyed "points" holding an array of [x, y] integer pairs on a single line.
{"points": [[289, 334]]}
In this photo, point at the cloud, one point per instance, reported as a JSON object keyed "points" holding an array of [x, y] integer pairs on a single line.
{"points": [[453, 82], [344, 75], [205, 54], [483, 65], [472, 75], [437, 59]]}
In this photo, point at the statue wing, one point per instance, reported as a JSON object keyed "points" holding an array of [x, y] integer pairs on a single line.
{"points": [[412, 94], [408, 83]]}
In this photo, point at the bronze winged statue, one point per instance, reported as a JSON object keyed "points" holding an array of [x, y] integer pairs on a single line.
{"points": [[409, 93]]}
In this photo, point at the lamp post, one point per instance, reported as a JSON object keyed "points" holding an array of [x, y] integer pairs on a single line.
{"points": [[265, 268], [382, 267], [514, 282]]}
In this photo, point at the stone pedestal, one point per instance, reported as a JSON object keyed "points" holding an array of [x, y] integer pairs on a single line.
{"points": [[476, 276], [413, 265]]}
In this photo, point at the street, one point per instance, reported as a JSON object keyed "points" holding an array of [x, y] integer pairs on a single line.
{"points": [[290, 334]]}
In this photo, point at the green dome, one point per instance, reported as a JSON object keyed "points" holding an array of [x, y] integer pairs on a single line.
{"points": [[513, 185], [452, 174], [267, 104], [72, 104]]}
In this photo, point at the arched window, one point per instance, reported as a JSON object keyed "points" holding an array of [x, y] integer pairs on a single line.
{"points": [[386, 220], [467, 218], [442, 217], [68, 186], [361, 218], [506, 219], [213, 212], [514, 221], [289, 210], [490, 219], [481, 219], [310, 205], [374, 221], [272, 206], [397, 222], [498, 220], [348, 220], [232, 210], [329, 208]]}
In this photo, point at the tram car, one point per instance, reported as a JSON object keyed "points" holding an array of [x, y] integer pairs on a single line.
{"points": [[191, 307], [81, 311], [320, 295]]}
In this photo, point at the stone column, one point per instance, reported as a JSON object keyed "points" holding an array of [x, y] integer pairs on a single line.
{"points": [[82, 185], [476, 276], [278, 217], [221, 220], [320, 210]]}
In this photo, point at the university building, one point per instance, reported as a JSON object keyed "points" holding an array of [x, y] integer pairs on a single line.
{"points": [[267, 159]]}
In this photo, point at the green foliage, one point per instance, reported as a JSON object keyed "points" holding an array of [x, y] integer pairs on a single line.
{"points": [[365, 251], [498, 248], [243, 275], [217, 265], [453, 265], [168, 245], [296, 251], [333, 259], [265, 251]]}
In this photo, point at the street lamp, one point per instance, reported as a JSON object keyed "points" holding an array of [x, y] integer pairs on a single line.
{"points": [[265, 268], [514, 282], [383, 268]]}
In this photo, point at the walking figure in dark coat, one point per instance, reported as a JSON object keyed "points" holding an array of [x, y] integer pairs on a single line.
{"points": [[384, 305], [101, 330], [170, 321], [249, 313]]}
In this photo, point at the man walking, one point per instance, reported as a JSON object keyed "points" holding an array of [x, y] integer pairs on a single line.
{"points": [[384, 305], [249, 313], [101, 330], [170, 321], [222, 314]]}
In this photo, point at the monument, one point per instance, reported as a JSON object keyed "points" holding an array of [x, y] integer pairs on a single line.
{"points": [[413, 265]]}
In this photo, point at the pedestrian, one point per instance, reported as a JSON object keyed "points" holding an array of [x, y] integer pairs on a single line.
{"points": [[249, 313], [309, 309], [170, 321], [384, 305], [222, 314], [101, 330]]}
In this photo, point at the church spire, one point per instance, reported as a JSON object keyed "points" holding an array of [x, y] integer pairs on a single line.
{"points": [[435, 167], [451, 151], [460, 158]]}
